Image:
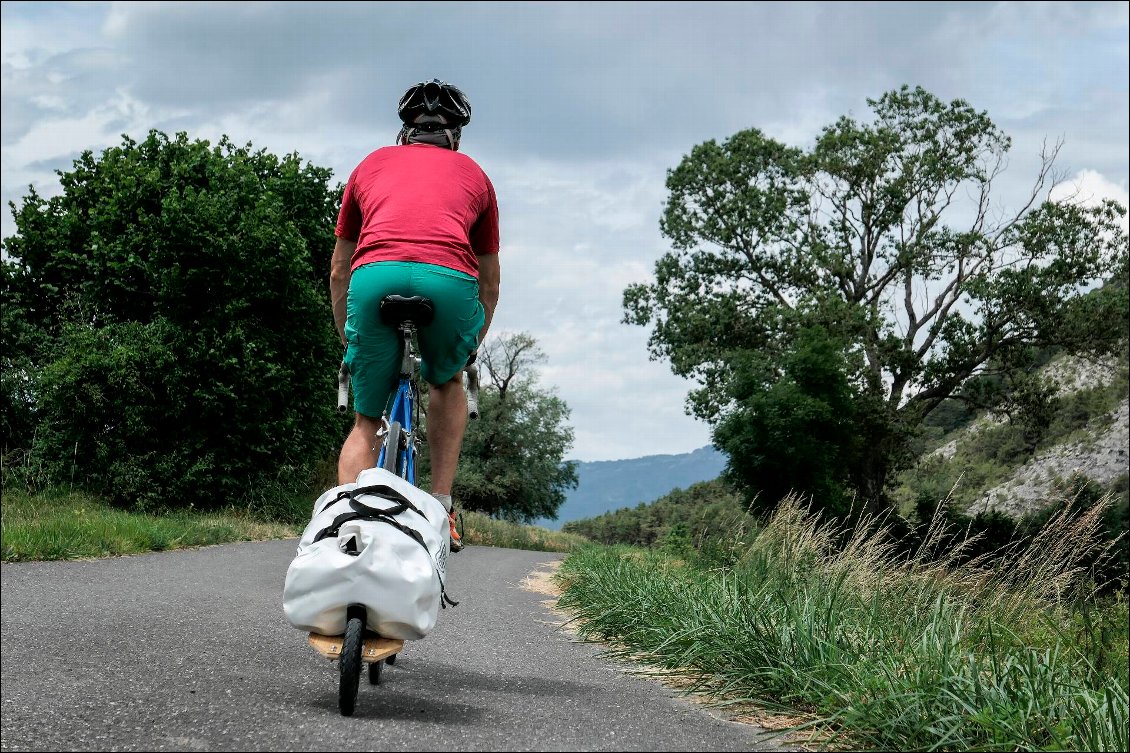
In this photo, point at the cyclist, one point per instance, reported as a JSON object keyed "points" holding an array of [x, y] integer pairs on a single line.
{"points": [[417, 218]]}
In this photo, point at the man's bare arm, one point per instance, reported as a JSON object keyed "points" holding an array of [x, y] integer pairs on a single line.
{"points": [[339, 281], [489, 275]]}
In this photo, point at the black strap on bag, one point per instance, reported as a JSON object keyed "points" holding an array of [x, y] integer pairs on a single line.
{"points": [[384, 491], [361, 511]]}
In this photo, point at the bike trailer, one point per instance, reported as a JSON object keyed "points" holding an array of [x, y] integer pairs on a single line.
{"points": [[381, 543]]}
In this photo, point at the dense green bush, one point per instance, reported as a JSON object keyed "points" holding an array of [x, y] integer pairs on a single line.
{"points": [[795, 425], [175, 345]]}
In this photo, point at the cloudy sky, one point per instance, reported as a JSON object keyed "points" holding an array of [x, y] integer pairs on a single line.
{"points": [[579, 111]]}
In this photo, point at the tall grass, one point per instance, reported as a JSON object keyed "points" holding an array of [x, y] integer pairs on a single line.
{"points": [[888, 651]]}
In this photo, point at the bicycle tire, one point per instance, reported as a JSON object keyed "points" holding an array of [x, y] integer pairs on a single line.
{"points": [[392, 448], [351, 664]]}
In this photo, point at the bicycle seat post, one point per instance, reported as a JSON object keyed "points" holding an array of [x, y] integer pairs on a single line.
{"points": [[406, 314], [407, 329]]}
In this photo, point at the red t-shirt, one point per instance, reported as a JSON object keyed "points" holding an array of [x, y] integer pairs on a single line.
{"points": [[423, 203]]}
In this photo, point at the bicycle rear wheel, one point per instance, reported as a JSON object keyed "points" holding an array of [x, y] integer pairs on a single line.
{"points": [[351, 660]]}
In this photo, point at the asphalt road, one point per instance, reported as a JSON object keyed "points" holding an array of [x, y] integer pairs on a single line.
{"points": [[189, 650]]}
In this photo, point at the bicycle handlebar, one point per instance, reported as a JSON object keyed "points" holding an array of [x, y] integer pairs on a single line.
{"points": [[472, 387], [472, 391], [342, 389]]}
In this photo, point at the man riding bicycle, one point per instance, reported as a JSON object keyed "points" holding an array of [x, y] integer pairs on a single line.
{"points": [[416, 219]]}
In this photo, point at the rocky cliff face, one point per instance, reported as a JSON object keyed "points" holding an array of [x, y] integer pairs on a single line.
{"points": [[1098, 452], [1101, 457]]}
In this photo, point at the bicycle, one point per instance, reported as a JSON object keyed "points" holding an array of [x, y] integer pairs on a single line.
{"points": [[397, 455]]}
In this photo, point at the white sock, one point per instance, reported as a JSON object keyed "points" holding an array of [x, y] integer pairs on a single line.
{"points": [[445, 500]]}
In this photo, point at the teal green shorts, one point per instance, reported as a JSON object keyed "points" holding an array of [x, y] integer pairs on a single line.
{"points": [[372, 352]]}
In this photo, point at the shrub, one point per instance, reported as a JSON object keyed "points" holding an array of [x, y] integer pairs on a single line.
{"points": [[174, 322]]}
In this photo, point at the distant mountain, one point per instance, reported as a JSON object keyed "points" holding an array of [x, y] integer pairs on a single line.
{"points": [[608, 485]]}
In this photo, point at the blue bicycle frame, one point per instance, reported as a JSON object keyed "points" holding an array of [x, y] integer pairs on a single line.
{"points": [[403, 405], [402, 413]]}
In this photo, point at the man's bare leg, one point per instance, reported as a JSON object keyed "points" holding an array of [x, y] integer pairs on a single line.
{"points": [[447, 420], [360, 450]]}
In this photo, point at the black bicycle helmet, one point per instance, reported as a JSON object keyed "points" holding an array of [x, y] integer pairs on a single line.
{"points": [[435, 97]]}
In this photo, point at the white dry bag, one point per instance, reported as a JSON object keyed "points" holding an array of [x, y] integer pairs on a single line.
{"points": [[381, 543]]}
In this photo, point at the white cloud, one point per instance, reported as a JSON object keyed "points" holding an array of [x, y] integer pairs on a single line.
{"points": [[1090, 188]]}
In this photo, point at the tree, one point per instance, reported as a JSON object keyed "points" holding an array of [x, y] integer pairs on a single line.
{"points": [[175, 344], [882, 235], [19, 343], [512, 463]]}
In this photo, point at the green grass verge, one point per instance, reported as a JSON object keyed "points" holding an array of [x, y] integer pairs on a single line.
{"points": [[62, 524], [68, 524], [883, 652]]}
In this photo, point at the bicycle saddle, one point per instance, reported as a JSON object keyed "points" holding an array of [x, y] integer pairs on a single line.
{"points": [[397, 309]]}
